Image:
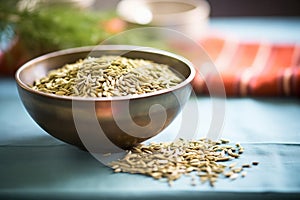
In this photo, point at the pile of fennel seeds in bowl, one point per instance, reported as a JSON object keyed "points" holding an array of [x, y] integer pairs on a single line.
{"points": [[108, 76], [205, 159]]}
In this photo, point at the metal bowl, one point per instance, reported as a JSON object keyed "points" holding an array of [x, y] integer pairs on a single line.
{"points": [[72, 119]]}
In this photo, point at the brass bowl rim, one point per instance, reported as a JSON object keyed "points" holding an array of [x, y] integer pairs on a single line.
{"points": [[26, 87]]}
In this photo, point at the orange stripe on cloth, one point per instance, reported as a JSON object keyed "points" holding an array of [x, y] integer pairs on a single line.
{"points": [[259, 61], [269, 81], [232, 75], [213, 46], [294, 81], [252, 69]]}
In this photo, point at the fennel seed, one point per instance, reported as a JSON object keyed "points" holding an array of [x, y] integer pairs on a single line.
{"points": [[172, 160], [108, 76]]}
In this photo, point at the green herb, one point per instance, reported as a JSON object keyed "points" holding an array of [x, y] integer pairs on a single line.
{"points": [[54, 27]]}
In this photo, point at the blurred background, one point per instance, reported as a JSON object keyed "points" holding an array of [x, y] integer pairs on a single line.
{"points": [[29, 28], [235, 8]]}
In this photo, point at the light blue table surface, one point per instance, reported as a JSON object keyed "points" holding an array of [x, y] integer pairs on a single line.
{"points": [[271, 29], [34, 165]]}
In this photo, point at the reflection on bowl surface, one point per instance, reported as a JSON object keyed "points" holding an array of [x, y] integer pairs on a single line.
{"points": [[124, 121]]}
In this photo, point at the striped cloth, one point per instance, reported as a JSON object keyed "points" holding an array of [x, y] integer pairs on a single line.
{"points": [[252, 69]]}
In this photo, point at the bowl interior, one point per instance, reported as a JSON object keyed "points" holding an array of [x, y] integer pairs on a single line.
{"points": [[39, 67]]}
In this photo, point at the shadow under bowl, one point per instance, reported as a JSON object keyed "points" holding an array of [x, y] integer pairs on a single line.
{"points": [[108, 123]]}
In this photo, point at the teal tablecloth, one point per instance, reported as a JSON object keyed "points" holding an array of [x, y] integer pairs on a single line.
{"points": [[34, 165]]}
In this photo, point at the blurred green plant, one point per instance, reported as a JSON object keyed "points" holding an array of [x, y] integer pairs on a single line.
{"points": [[49, 28]]}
